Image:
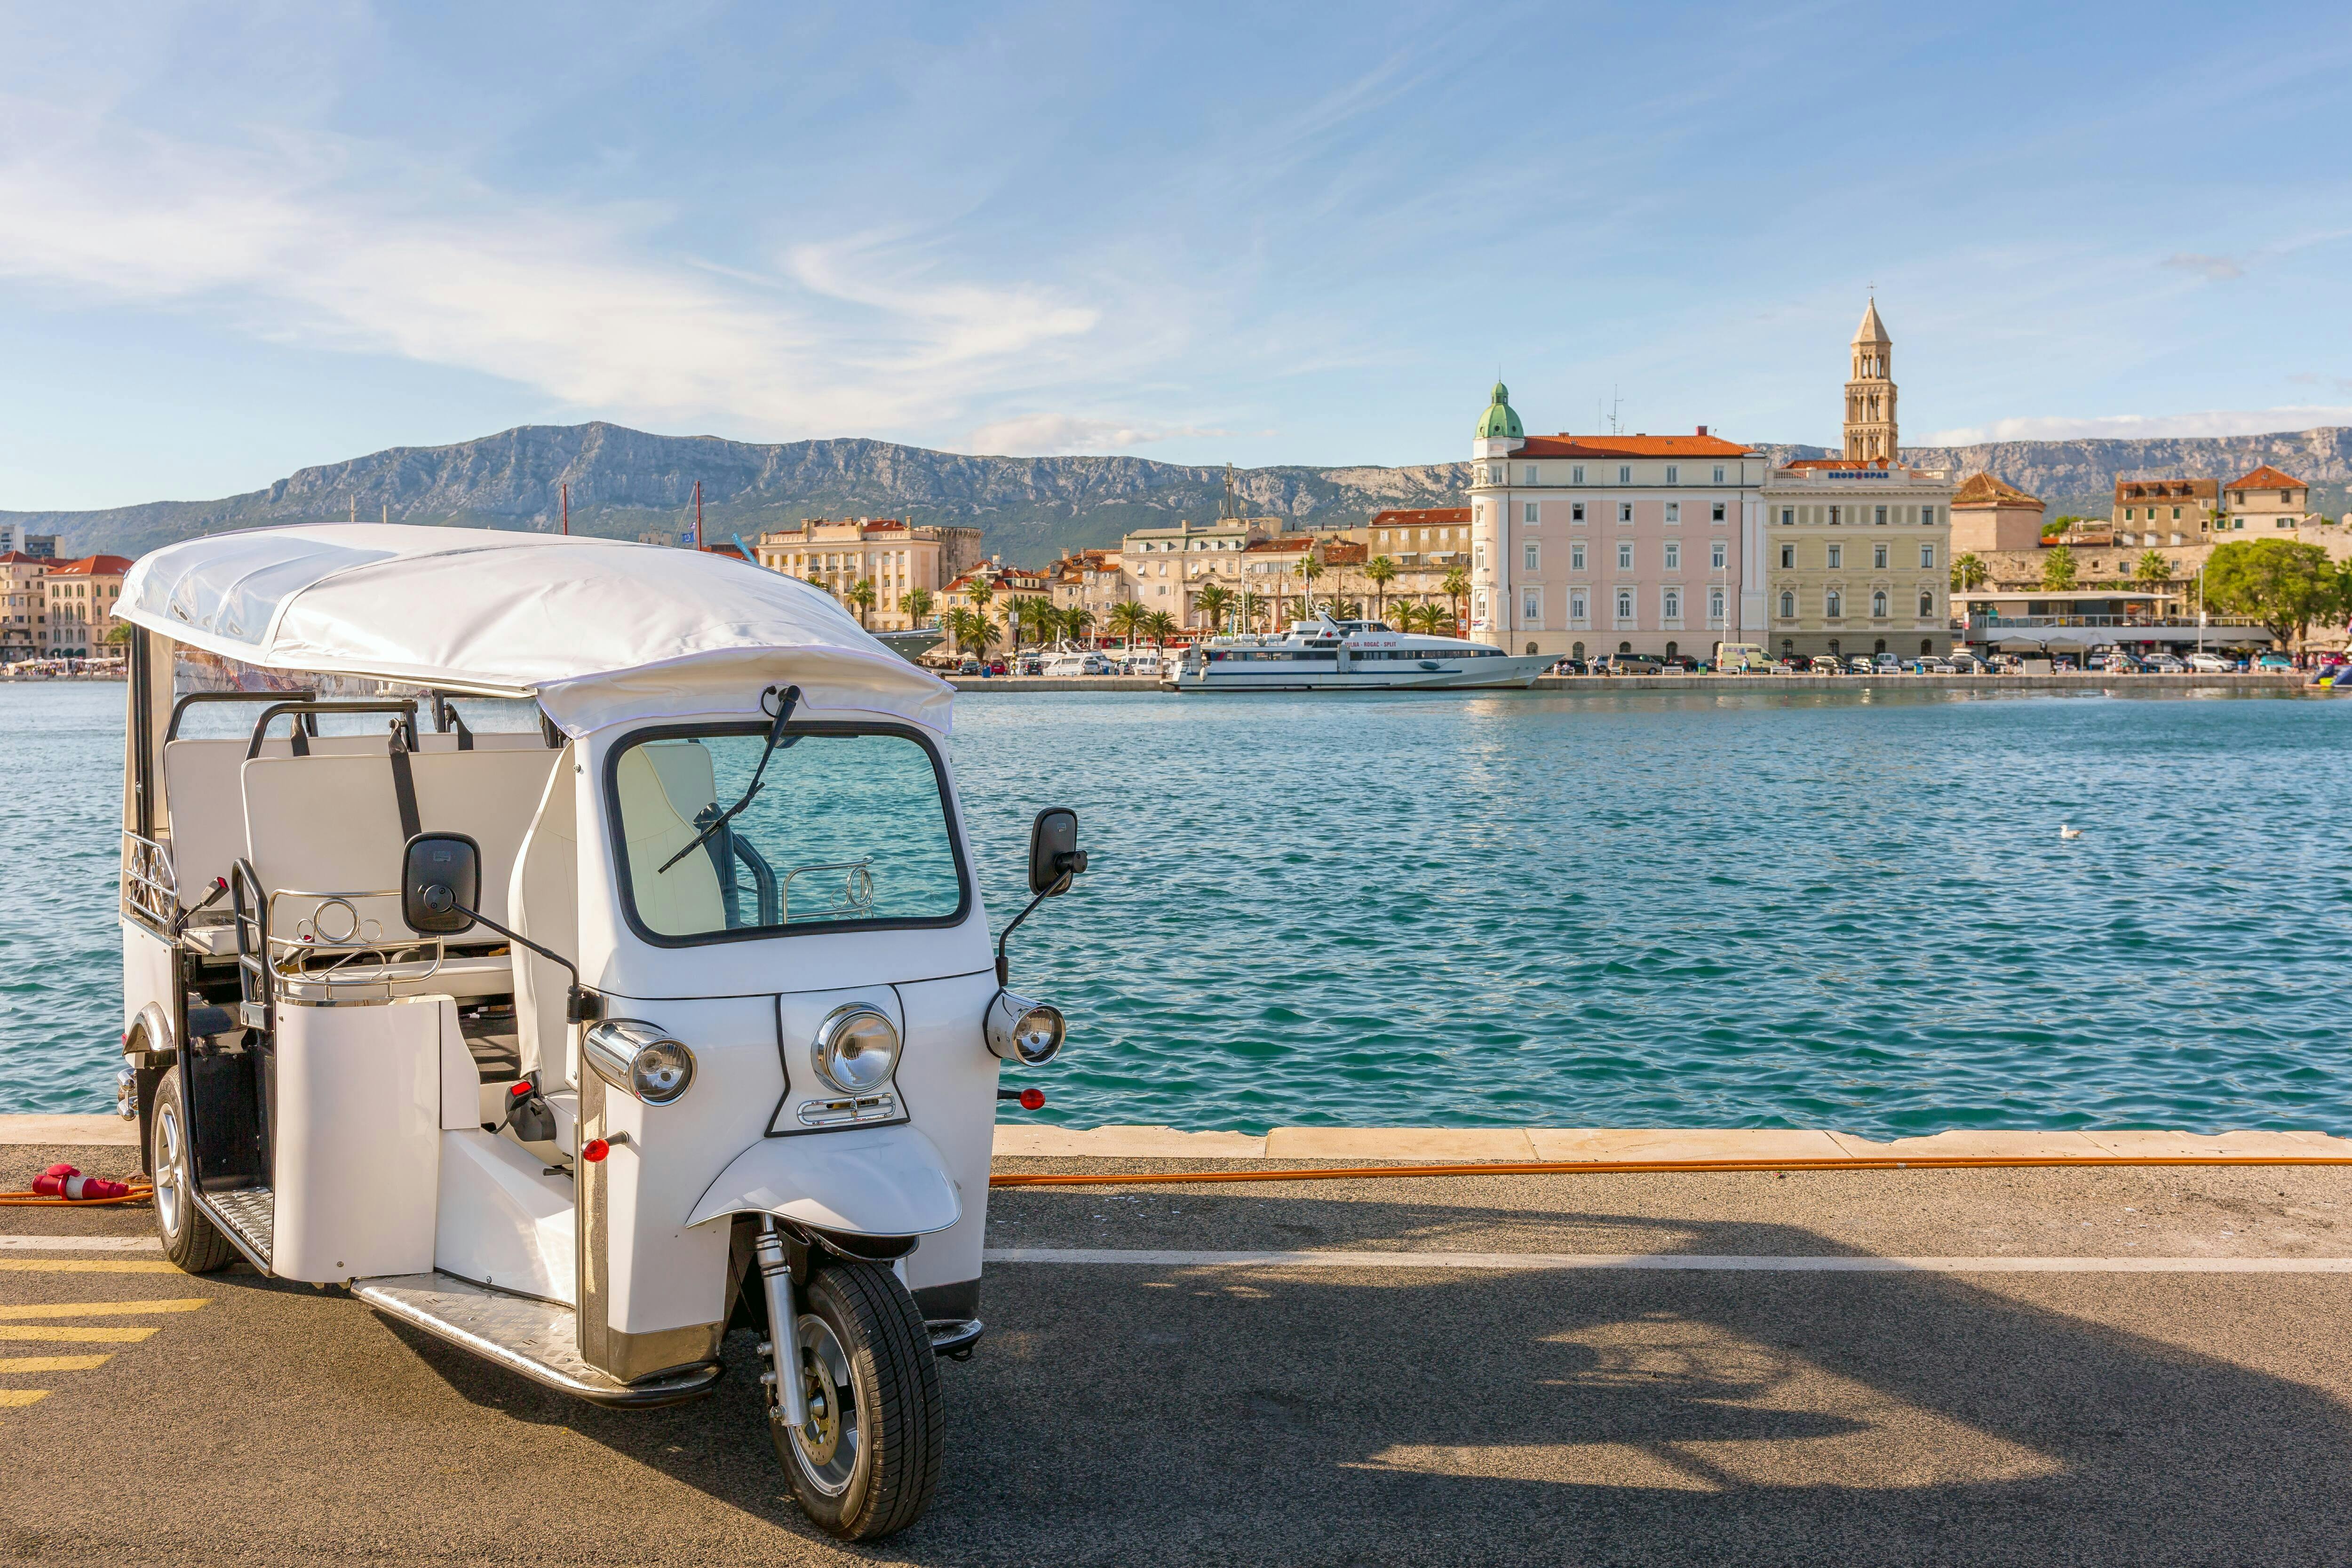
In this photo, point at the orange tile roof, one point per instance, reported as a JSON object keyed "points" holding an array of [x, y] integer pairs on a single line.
{"points": [[1277, 544], [1346, 553], [1567, 445], [1985, 490], [1414, 517], [18, 558], [92, 566], [2268, 478], [2165, 489]]}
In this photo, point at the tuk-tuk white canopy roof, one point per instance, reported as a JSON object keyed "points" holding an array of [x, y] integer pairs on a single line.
{"points": [[598, 631]]}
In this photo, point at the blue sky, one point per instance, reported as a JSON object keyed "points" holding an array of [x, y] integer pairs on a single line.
{"points": [[235, 240]]}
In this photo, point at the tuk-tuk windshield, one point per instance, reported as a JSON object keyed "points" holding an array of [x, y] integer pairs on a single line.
{"points": [[849, 827]]}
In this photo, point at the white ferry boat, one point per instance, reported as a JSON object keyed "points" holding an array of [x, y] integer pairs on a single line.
{"points": [[1325, 655]]}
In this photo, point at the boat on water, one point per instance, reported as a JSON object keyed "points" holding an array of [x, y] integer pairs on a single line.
{"points": [[1327, 655]]}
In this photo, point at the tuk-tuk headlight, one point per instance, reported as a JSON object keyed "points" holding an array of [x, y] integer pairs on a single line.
{"points": [[1024, 1033], [635, 1056], [855, 1049]]}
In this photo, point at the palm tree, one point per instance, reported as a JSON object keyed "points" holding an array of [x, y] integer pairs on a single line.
{"points": [[1029, 615], [2058, 569], [1125, 616], [1346, 610], [1077, 621], [2152, 570], [982, 591], [1159, 626], [1380, 572], [1308, 570], [1456, 586], [1249, 605], [916, 603], [1968, 572], [860, 594], [1213, 603]]}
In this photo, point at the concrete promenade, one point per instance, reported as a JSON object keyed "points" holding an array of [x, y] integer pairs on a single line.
{"points": [[2081, 1364], [1712, 685]]}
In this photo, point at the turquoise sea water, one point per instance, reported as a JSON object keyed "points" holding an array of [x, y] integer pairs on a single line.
{"points": [[1559, 910]]}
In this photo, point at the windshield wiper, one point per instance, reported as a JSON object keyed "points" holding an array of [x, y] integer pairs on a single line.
{"points": [[787, 698]]}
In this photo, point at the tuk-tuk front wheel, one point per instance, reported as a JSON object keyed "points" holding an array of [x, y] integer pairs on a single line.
{"points": [[867, 1460]]}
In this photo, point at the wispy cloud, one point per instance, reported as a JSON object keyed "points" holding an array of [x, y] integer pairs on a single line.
{"points": [[2143, 426], [2214, 269], [1059, 435]]}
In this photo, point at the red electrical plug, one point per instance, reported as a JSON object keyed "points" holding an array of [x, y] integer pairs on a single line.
{"points": [[63, 1181]]}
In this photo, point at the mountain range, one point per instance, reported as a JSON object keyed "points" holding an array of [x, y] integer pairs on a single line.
{"points": [[624, 483]]}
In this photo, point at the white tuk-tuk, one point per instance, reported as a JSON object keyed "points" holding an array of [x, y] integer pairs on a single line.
{"points": [[665, 1004]]}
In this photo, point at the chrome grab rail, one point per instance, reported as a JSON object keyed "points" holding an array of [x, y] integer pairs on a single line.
{"points": [[856, 889], [151, 888], [334, 948]]}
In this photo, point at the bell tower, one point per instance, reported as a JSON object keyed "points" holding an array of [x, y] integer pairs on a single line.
{"points": [[1869, 434]]}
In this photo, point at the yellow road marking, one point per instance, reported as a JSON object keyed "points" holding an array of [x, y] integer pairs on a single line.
{"points": [[83, 1265], [22, 1364], [104, 1309], [12, 1398], [121, 1336]]}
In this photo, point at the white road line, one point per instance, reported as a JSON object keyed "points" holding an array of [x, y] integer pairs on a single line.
{"points": [[80, 1244], [1672, 1261]]}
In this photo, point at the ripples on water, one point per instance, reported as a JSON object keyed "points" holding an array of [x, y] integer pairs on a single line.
{"points": [[1553, 911]]}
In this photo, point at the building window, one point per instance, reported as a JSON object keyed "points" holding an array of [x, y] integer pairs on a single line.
{"points": [[1624, 473], [1715, 515], [1575, 474], [1530, 554], [1531, 473], [1926, 603], [1837, 555], [1878, 556], [1672, 602], [2176, 513], [1624, 558], [1833, 604], [1624, 604], [1479, 559], [1836, 515], [1673, 555], [1576, 556], [1531, 608], [1881, 517], [1721, 554], [1926, 557], [1715, 606], [1576, 511], [1674, 474], [1788, 517], [1527, 514], [1674, 511], [1576, 606], [1788, 557], [1624, 512], [1878, 605]]}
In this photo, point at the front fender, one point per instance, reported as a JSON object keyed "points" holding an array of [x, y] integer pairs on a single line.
{"points": [[879, 1180]]}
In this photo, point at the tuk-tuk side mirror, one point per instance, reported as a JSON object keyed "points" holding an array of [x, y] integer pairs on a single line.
{"points": [[440, 883], [1053, 854]]}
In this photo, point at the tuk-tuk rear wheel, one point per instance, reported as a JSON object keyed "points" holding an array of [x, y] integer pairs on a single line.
{"points": [[189, 1240], [868, 1463]]}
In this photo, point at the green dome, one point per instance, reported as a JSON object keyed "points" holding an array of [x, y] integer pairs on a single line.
{"points": [[1500, 419]]}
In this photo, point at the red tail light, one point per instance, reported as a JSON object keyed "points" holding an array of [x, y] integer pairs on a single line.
{"points": [[594, 1151]]}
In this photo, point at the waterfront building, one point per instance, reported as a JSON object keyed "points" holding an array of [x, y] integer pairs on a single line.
{"points": [[1590, 545], [1858, 558], [23, 605], [80, 602], [897, 556], [2267, 503], [15, 541], [1425, 544], [1990, 514], [1166, 568], [2163, 513], [1090, 580]]}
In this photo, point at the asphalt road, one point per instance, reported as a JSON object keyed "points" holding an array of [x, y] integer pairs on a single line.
{"points": [[1127, 1413]]}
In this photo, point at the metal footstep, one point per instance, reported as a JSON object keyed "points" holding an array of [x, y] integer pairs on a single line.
{"points": [[537, 1338]]}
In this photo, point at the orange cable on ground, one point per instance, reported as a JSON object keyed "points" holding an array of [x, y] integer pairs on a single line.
{"points": [[1656, 1167]]}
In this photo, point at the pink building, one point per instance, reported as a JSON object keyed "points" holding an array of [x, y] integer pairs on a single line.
{"points": [[1587, 545]]}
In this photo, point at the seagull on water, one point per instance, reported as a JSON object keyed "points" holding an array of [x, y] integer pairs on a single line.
{"points": [[2066, 832]]}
